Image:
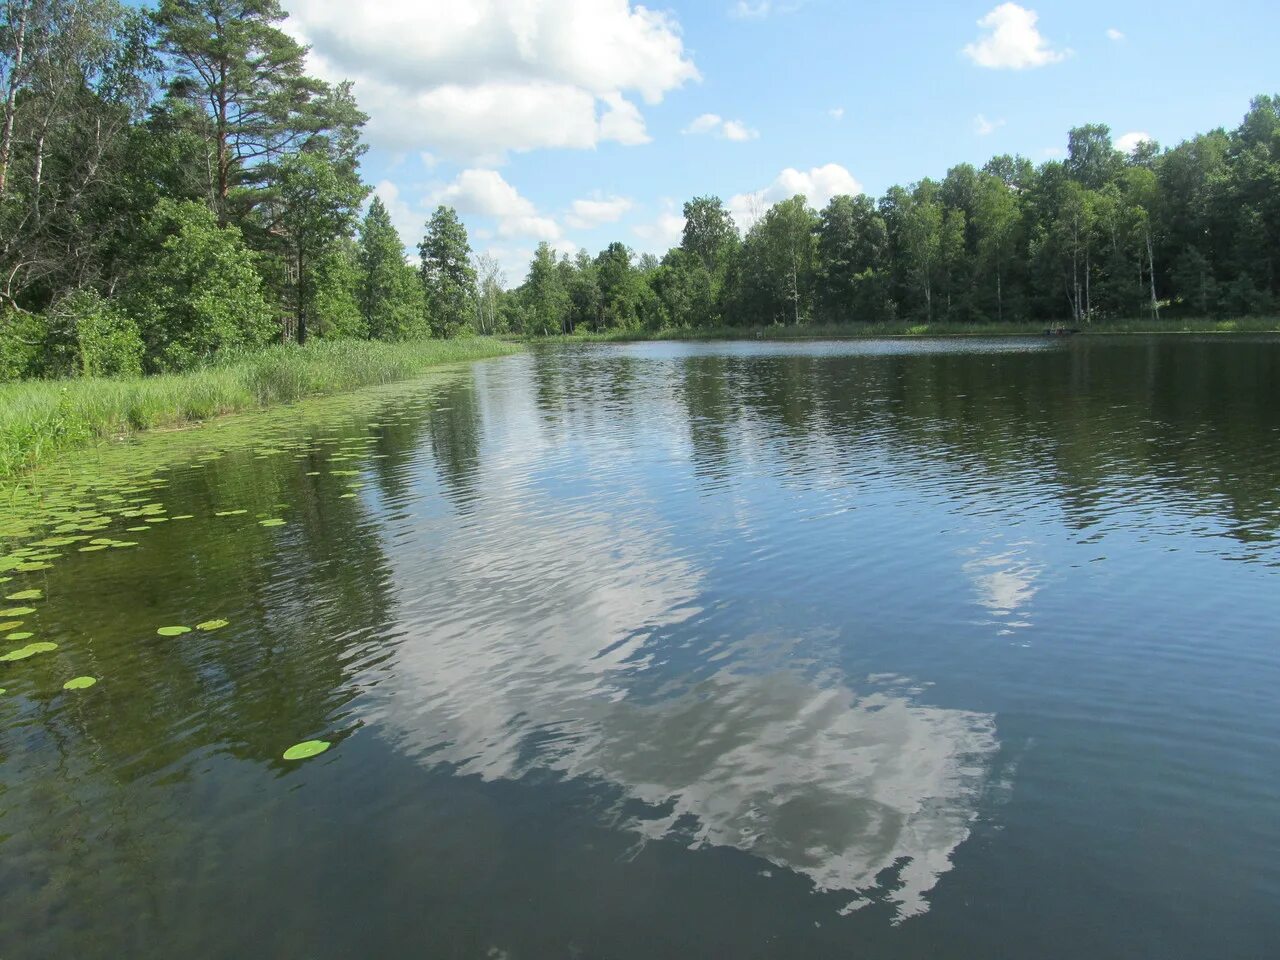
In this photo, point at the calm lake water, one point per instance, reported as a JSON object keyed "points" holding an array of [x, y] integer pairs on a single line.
{"points": [[956, 649]]}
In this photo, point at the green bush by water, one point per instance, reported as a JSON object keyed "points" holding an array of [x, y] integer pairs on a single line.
{"points": [[40, 418]]}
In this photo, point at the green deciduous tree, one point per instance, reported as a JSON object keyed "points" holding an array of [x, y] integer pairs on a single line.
{"points": [[709, 232], [195, 291], [318, 203]]}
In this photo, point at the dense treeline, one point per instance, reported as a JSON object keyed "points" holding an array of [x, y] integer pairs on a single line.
{"points": [[174, 187], [1194, 230]]}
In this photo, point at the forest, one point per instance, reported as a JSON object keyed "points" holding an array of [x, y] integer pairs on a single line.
{"points": [[1192, 231], [175, 189]]}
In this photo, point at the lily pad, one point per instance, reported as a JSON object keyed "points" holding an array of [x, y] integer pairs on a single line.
{"points": [[10, 624], [29, 650], [93, 548], [212, 625], [31, 567], [80, 683], [173, 631], [17, 611], [275, 522], [20, 635], [306, 750], [26, 595]]}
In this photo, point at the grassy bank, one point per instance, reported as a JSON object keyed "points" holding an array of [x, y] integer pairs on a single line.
{"points": [[40, 418], [859, 331]]}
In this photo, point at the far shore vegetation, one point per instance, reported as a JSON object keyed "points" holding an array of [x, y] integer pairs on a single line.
{"points": [[864, 331]]}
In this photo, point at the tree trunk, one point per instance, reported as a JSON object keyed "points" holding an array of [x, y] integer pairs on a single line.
{"points": [[1151, 269], [302, 302], [11, 96], [224, 155]]}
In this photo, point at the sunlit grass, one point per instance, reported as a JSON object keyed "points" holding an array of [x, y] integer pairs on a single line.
{"points": [[40, 418]]}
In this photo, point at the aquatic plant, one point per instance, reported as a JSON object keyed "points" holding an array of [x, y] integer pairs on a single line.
{"points": [[306, 750]]}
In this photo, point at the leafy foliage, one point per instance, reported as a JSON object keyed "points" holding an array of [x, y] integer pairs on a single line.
{"points": [[198, 292]]}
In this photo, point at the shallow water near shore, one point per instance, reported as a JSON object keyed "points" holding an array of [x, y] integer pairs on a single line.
{"points": [[954, 648]]}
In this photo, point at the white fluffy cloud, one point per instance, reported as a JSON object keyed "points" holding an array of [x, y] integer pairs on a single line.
{"points": [[1114, 34], [836, 113], [984, 127], [484, 77], [589, 213], [1129, 141], [663, 233], [818, 186], [716, 125], [486, 193], [1012, 41], [407, 221]]}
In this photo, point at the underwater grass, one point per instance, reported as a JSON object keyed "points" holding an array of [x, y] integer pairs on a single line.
{"points": [[861, 331], [41, 418]]}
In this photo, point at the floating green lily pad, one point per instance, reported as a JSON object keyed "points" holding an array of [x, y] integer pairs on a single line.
{"points": [[229, 513], [29, 650], [20, 635], [93, 548], [120, 544], [212, 625], [17, 611], [80, 683], [10, 624], [26, 595], [31, 567], [276, 522], [306, 750], [173, 631]]}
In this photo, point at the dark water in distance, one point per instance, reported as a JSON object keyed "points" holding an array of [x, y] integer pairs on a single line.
{"points": [[954, 649]]}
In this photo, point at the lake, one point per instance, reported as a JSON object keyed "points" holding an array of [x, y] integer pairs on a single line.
{"points": [[893, 649]]}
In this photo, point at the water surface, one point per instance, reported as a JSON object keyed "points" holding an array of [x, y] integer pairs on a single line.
{"points": [[897, 649]]}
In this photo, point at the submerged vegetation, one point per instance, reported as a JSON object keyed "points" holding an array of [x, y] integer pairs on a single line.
{"points": [[44, 417]]}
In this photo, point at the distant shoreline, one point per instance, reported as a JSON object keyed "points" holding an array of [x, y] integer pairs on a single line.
{"points": [[907, 331]]}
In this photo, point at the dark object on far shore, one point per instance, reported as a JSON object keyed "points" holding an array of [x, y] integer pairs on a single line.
{"points": [[1060, 331]]}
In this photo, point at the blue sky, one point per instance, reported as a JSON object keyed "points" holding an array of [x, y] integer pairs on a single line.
{"points": [[577, 121]]}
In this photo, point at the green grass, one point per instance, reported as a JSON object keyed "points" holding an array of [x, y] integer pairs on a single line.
{"points": [[856, 331], [42, 418]]}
